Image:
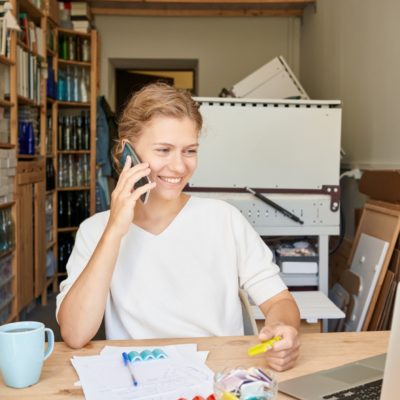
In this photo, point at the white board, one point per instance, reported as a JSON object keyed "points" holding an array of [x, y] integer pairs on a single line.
{"points": [[367, 264], [281, 144]]}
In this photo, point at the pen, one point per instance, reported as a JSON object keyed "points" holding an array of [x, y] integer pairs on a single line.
{"points": [[263, 347], [127, 363], [277, 207]]}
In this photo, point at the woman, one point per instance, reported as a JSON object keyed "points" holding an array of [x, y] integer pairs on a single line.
{"points": [[171, 267]]}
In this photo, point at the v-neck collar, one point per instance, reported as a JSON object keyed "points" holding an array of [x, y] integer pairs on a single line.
{"points": [[168, 227]]}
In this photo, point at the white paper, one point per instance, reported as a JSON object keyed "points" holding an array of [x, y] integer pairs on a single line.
{"points": [[182, 374]]}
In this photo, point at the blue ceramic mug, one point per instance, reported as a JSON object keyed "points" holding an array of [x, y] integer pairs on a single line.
{"points": [[22, 352]]}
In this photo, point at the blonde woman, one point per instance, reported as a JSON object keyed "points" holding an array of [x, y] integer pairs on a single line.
{"points": [[171, 267]]}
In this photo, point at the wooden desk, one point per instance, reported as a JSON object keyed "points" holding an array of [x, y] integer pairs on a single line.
{"points": [[319, 351]]}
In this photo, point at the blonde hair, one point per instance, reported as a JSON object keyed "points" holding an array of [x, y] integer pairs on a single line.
{"points": [[156, 99]]}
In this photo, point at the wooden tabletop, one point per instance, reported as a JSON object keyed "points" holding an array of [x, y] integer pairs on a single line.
{"points": [[318, 351]]}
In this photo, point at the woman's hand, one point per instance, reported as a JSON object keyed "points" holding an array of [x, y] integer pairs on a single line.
{"points": [[124, 196], [285, 352]]}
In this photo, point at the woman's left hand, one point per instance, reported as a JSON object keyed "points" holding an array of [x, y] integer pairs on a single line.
{"points": [[285, 352]]}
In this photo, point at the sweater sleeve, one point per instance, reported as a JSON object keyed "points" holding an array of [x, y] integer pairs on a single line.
{"points": [[258, 275], [86, 240]]}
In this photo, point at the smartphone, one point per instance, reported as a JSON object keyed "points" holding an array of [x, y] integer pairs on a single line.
{"points": [[128, 151]]}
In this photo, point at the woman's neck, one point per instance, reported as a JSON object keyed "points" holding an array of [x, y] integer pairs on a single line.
{"points": [[158, 211]]}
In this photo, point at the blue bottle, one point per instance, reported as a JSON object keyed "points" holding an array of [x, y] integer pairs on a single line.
{"points": [[22, 142], [30, 142]]}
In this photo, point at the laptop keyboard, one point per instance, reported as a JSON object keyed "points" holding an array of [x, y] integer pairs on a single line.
{"points": [[368, 391]]}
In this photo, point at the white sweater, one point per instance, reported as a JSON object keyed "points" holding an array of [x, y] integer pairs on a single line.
{"points": [[183, 282]]}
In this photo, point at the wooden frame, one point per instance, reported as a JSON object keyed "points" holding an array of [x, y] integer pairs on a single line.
{"points": [[201, 8]]}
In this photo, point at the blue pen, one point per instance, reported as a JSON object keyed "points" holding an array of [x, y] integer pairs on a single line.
{"points": [[127, 363]]}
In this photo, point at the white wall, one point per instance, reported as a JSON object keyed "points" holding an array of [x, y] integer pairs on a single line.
{"points": [[228, 49], [350, 51]]}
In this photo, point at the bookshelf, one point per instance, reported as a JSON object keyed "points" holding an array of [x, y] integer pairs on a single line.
{"points": [[75, 140], [31, 145], [8, 161]]}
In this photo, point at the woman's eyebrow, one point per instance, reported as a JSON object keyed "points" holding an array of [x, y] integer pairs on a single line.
{"points": [[171, 145]]}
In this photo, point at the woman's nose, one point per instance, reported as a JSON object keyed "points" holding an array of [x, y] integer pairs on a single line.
{"points": [[178, 163]]}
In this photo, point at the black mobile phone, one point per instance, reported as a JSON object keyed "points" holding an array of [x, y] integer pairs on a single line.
{"points": [[128, 151]]}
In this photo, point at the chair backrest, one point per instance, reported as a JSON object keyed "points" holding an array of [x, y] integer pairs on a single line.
{"points": [[249, 322]]}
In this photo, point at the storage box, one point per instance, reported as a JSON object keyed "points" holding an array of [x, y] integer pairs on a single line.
{"points": [[381, 185]]}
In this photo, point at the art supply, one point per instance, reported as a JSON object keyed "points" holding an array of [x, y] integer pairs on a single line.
{"points": [[127, 363], [276, 206], [263, 347], [245, 384]]}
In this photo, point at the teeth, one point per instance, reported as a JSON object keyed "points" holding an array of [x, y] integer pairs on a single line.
{"points": [[171, 180]]}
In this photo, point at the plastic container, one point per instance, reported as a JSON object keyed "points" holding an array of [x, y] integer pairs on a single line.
{"points": [[245, 384]]}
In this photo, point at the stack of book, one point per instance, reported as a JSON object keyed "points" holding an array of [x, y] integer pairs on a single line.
{"points": [[79, 13]]}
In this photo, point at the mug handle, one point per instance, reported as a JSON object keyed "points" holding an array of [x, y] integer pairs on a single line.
{"points": [[50, 343]]}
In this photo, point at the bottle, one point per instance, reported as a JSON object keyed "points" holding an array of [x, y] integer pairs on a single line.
{"points": [[85, 50], [22, 138], [71, 48], [74, 135], [68, 84], [67, 133], [83, 87], [69, 209], [79, 132], [61, 85], [60, 133], [75, 85], [87, 132], [60, 171], [61, 211], [30, 143]]}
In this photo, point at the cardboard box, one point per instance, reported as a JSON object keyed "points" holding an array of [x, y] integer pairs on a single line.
{"points": [[381, 185]]}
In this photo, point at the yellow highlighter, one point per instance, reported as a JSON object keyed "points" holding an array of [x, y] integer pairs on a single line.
{"points": [[263, 347], [229, 396]]}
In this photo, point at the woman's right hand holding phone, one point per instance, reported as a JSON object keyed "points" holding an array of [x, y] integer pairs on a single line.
{"points": [[124, 196]]}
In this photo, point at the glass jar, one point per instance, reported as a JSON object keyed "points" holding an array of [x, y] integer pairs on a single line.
{"points": [[245, 384]]}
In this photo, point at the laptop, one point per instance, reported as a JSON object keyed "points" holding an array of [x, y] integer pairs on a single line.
{"points": [[371, 378]]}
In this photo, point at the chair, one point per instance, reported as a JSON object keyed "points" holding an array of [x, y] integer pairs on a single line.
{"points": [[249, 322]]}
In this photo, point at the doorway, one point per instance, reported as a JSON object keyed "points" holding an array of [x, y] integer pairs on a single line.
{"points": [[132, 75]]}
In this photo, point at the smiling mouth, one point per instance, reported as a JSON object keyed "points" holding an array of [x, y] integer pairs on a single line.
{"points": [[170, 180]]}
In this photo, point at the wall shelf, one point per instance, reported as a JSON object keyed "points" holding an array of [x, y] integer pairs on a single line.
{"points": [[202, 8]]}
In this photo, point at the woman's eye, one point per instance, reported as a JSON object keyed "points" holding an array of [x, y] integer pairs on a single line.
{"points": [[163, 150], [191, 152]]}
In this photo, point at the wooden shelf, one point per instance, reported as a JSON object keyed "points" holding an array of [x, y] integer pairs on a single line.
{"points": [[202, 8], [50, 191], [6, 205], [73, 188], [77, 63], [71, 32], [73, 151], [28, 102], [27, 156], [61, 274], [69, 229], [50, 280], [73, 104], [5, 60], [6, 103], [51, 52], [7, 146], [51, 244], [51, 100], [6, 253]]}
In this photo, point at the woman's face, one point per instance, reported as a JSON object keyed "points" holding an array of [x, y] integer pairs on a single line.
{"points": [[169, 145]]}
